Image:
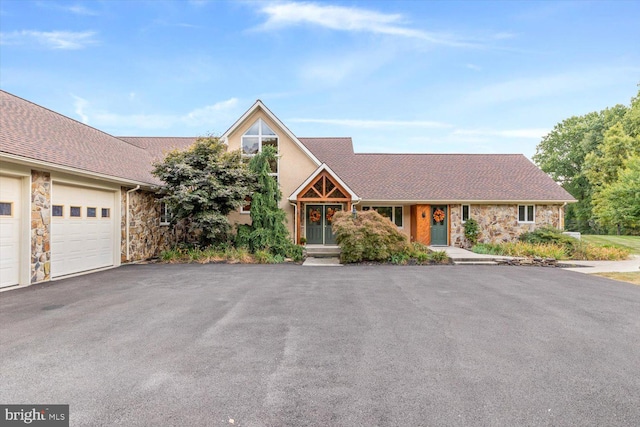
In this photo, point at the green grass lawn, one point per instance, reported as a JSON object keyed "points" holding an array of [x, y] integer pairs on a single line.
{"points": [[630, 242]]}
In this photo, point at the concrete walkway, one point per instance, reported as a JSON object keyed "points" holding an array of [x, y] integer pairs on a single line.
{"points": [[606, 266], [322, 262], [463, 256]]}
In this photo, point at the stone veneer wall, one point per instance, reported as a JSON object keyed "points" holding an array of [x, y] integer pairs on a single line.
{"points": [[147, 238], [40, 226], [499, 223]]}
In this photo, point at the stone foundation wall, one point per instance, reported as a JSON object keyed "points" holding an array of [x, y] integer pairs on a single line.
{"points": [[147, 238], [499, 223], [40, 226]]}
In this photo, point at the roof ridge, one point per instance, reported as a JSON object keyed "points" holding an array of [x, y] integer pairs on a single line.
{"points": [[72, 119]]}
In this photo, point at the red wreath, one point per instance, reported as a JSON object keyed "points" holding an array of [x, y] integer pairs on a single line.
{"points": [[314, 215], [438, 215], [330, 213]]}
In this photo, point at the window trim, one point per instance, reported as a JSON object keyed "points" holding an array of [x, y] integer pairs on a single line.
{"points": [[11, 215], [164, 211], [260, 136], [393, 213], [79, 210], [95, 211], [57, 216], [527, 220], [462, 212], [243, 211]]}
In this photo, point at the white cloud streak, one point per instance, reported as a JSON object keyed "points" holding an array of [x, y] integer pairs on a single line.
{"points": [[352, 19], [65, 40], [209, 115], [376, 124], [505, 133]]}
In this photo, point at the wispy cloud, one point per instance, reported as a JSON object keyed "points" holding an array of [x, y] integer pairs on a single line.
{"points": [[526, 88], [504, 133], [66, 40], [80, 9], [350, 19], [77, 9], [209, 115], [80, 105], [375, 124]]}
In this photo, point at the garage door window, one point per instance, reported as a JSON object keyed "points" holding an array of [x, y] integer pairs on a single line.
{"points": [[106, 212], [57, 210], [6, 209], [74, 211], [91, 212]]}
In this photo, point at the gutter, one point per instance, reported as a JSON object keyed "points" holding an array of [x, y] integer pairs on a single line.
{"points": [[127, 217]]}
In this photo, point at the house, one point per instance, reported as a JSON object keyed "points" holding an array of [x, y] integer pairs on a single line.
{"points": [[74, 199]]}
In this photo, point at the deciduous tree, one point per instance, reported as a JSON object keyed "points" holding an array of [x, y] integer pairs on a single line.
{"points": [[203, 184]]}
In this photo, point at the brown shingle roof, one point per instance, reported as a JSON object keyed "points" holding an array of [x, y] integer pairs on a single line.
{"points": [[158, 146], [436, 177], [34, 132]]}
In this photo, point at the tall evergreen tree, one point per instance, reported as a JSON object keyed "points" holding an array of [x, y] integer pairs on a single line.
{"points": [[268, 229]]}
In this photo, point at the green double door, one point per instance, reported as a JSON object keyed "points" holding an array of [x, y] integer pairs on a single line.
{"points": [[318, 224], [439, 225]]}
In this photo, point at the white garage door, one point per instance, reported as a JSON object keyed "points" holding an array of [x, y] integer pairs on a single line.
{"points": [[9, 231], [82, 229]]}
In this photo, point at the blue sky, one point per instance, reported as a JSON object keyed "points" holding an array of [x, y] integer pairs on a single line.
{"points": [[397, 76]]}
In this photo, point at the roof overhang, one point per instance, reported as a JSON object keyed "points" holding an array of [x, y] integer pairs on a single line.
{"points": [[260, 105], [323, 168], [48, 166]]}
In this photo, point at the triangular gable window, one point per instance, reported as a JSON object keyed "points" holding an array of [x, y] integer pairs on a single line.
{"points": [[258, 136]]}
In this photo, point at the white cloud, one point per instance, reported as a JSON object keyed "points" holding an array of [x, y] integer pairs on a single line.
{"points": [[352, 19], [81, 10], [80, 105], [204, 117], [505, 133], [376, 124], [474, 67], [67, 40]]}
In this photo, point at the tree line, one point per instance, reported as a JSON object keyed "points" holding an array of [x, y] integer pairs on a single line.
{"points": [[596, 158]]}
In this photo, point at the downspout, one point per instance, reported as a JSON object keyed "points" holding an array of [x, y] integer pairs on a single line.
{"points": [[295, 219], [126, 214]]}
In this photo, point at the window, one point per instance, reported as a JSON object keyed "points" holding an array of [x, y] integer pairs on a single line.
{"points": [[74, 212], [106, 213], [526, 213], [258, 136], [247, 207], [165, 214], [394, 213], [6, 209], [466, 212], [91, 213], [57, 210]]}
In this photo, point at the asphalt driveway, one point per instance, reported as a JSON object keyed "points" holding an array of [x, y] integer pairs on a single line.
{"points": [[351, 346]]}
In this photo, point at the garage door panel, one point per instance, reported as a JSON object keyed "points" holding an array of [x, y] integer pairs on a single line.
{"points": [[81, 243], [10, 231]]}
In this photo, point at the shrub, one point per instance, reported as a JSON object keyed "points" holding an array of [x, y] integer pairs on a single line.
{"points": [[439, 257], [548, 235], [471, 231], [367, 237], [577, 250]]}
